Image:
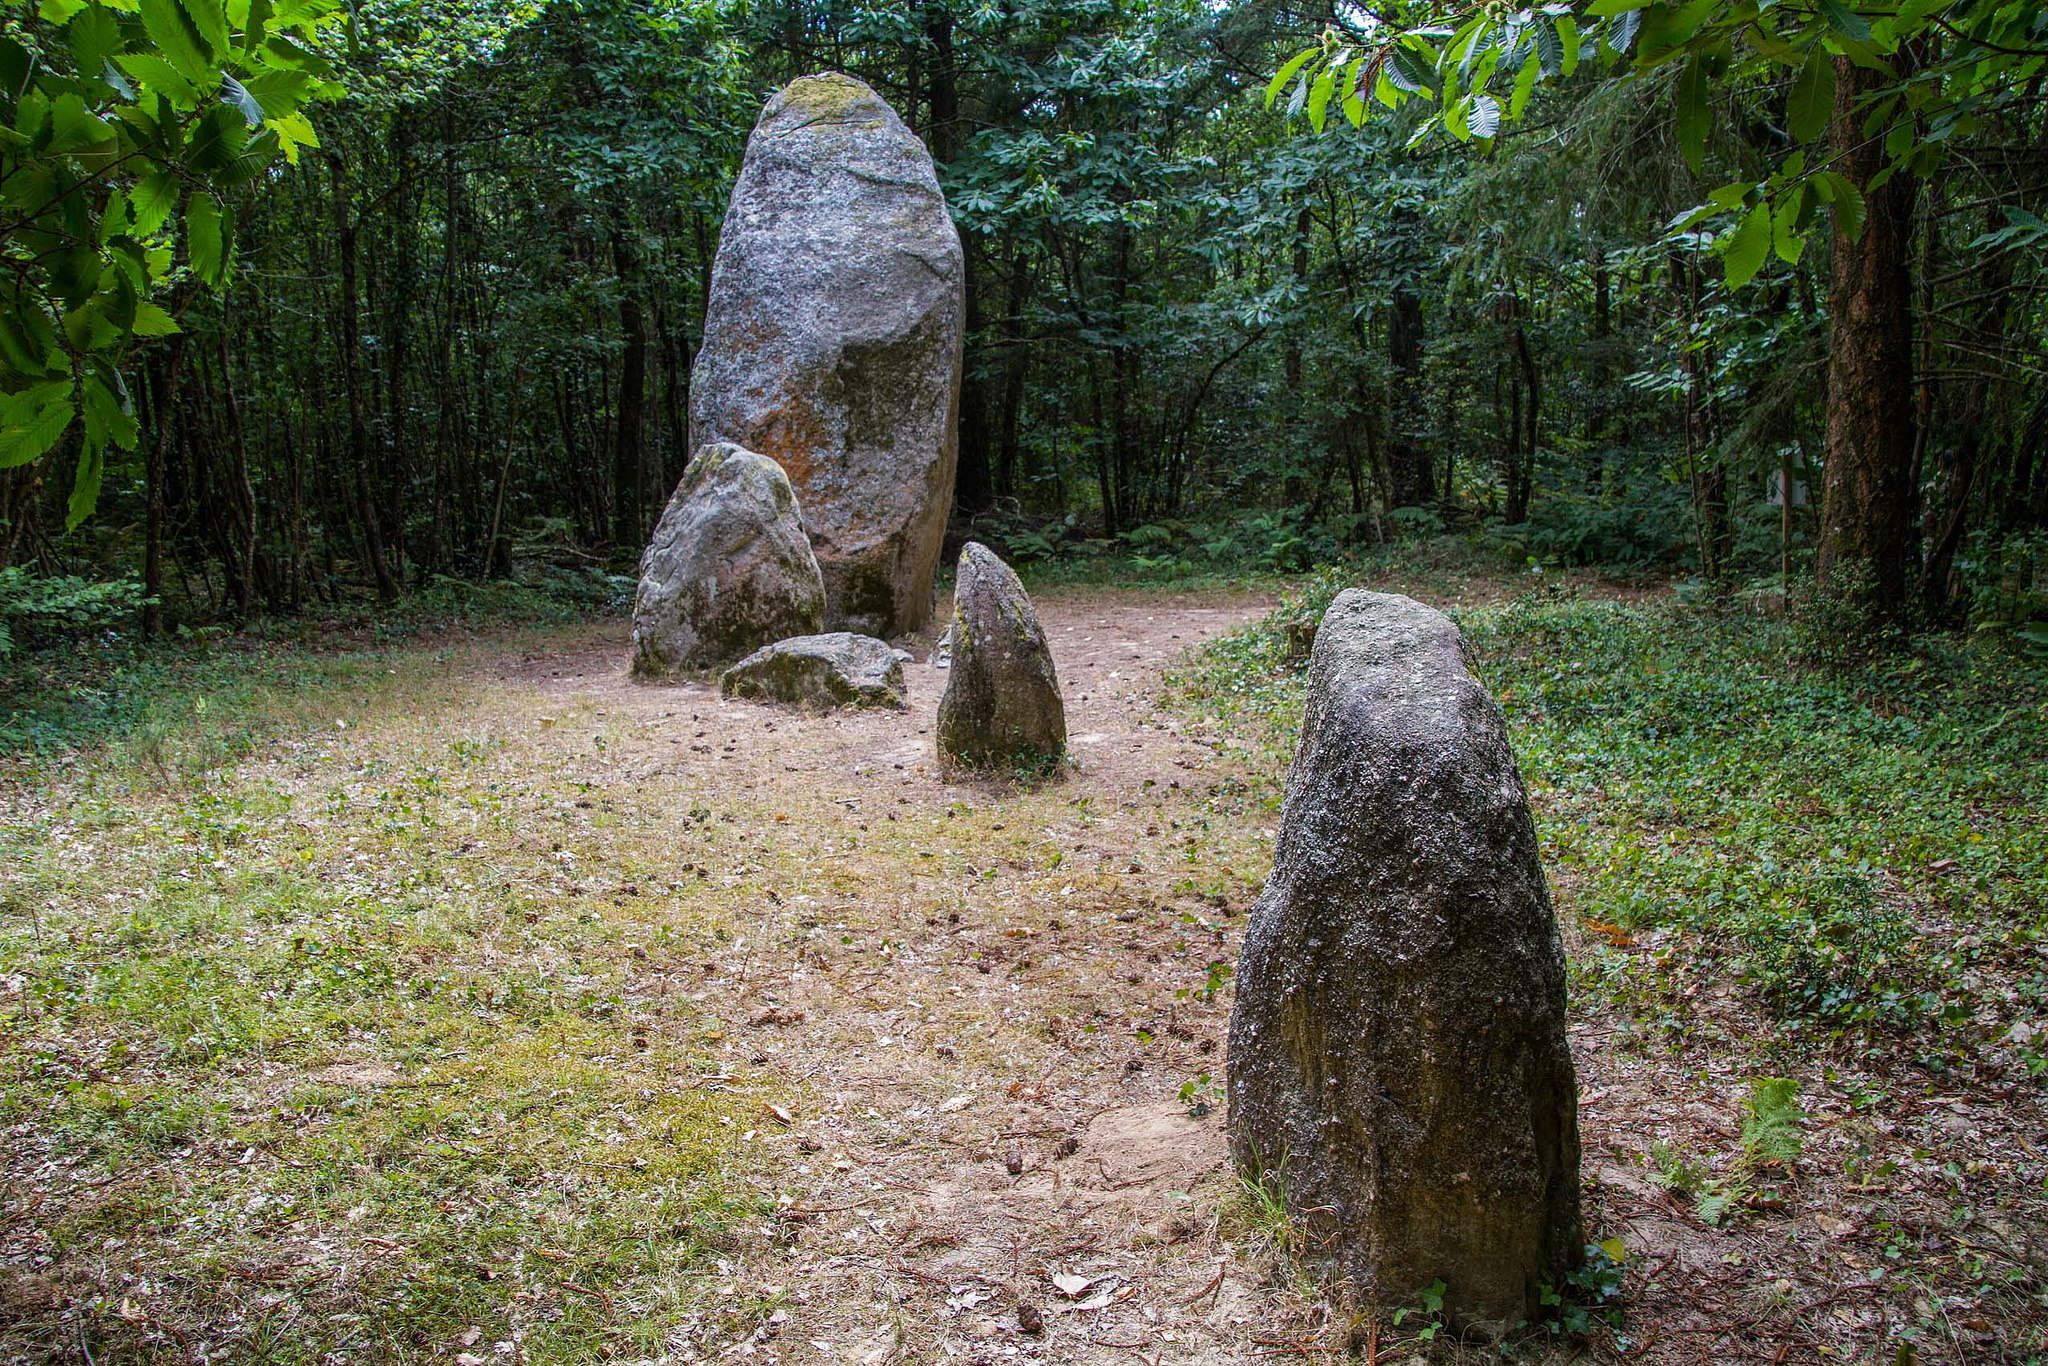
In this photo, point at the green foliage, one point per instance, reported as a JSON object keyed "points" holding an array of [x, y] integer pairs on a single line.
{"points": [[1430, 1310], [37, 611], [1771, 1115], [1592, 1293], [1949, 67], [2005, 584], [128, 125], [1849, 846], [1201, 1094]]}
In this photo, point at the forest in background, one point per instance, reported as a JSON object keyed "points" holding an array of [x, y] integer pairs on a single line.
{"points": [[455, 340]]}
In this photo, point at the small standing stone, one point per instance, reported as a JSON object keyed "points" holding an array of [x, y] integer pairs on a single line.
{"points": [[1398, 1064], [1002, 703], [729, 568], [838, 669]]}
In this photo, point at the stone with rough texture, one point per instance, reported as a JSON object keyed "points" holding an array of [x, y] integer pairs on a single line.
{"points": [[1002, 703], [832, 340], [838, 669], [1398, 1063], [728, 569]]}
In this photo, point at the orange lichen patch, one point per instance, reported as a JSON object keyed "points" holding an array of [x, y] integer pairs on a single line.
{"points": [[793, 436]]}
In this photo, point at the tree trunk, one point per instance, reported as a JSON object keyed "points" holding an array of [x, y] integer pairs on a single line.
{"points": [[1866, 524], [629, 472], [162, 409], [973, 488], [1015, 359], [241, 489], [1408, 464], [1524, 480], [1601, 371], [352, 380]]}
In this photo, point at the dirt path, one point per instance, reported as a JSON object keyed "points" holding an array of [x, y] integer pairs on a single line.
{"points": [[988, 1000]]}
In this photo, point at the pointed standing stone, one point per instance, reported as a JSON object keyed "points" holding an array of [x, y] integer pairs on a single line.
{"points": [[832, 341], [1002, 706], [1398, 1064]]}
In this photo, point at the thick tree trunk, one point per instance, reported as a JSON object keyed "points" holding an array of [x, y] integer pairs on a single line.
{"points": [[1866, 525]]}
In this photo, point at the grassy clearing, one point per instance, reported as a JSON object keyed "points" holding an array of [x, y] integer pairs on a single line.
{"points": [[343, 1047], [415, 1005]]}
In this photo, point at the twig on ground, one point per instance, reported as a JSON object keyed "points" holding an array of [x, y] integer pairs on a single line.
{"points": [[1213, 1287]]}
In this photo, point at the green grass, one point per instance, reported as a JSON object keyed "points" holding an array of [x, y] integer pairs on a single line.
{"points": [[209, 693], [336, 1048], [1863, 848]]}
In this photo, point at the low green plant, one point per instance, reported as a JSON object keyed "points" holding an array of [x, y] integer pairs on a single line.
{"points": [[1591, 1294], [1201, 1094], [1430, 1310], [1771, 1117], [1213, 982], [42, 610]]}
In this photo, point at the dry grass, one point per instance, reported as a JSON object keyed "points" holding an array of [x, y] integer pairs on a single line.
{"points": [[466, 1021], [499, 1010]]}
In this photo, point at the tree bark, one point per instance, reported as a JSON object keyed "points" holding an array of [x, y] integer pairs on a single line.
{"points": [[629, 464], [1410, 471], [162, 409], [241, 489], [1523, 483], [1866, 525], [352, 380]]}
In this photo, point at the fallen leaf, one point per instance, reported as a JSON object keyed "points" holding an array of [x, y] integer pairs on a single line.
{"points": [[781, 1115], [956, 1103], [1069, 1284], [1101, 1299]]}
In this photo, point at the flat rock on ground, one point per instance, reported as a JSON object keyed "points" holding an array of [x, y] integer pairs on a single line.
{"points": [[836, 669]]}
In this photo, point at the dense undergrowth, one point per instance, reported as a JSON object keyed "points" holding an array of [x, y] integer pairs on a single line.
{"points": [[1860, 842]]}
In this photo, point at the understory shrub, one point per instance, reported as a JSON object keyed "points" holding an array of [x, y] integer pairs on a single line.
{"points": [[1854, 844]]}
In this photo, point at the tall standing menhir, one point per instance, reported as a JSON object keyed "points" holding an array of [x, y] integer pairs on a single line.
{"points": [[832, 341], [1398, 1063]]}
